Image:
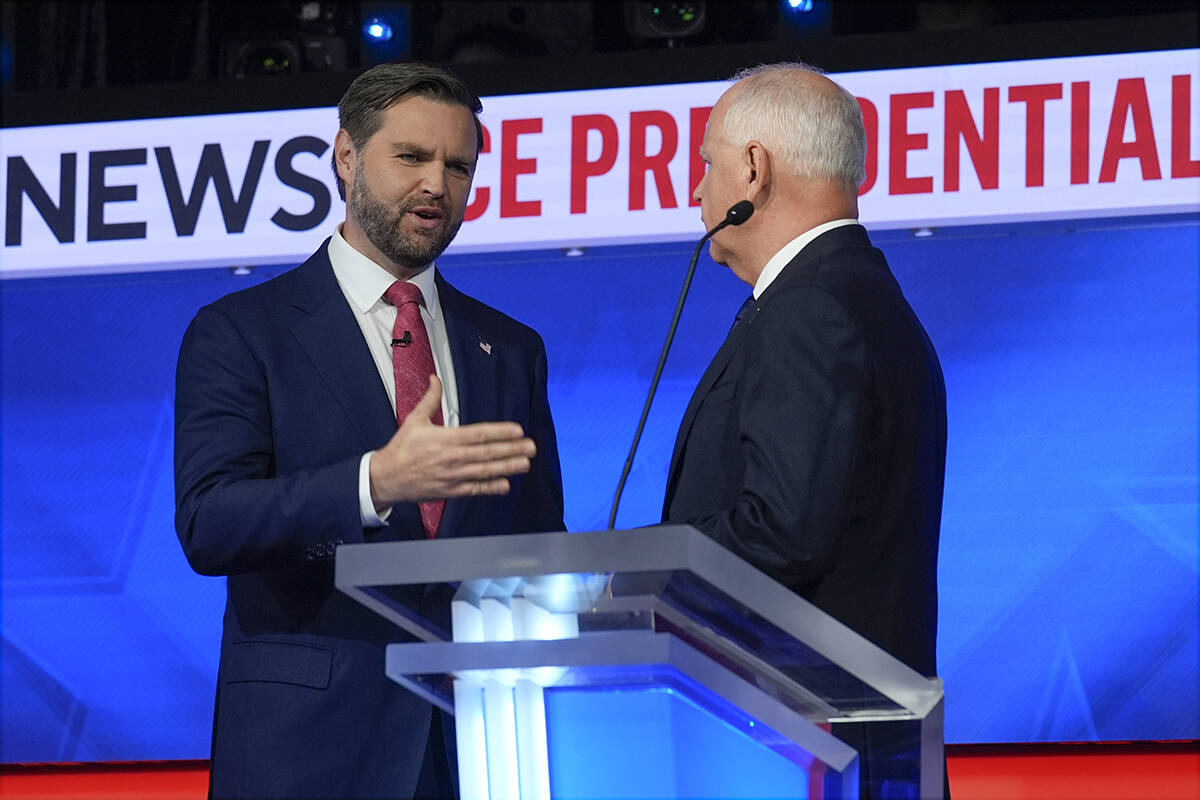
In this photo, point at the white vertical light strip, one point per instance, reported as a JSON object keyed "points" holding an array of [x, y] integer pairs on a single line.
{"points": [[499, 711], [466, 621], [497, 620], [501, 725], [471, 741], [498, 627], [466, 625], [531, 621], [533, 757], [500, 716]]}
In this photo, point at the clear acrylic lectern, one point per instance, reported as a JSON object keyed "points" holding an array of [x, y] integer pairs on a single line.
{"points": [[649, 663]]}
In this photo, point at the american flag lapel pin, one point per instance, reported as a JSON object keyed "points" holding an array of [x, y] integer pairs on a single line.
{"points": [[485, 347]]}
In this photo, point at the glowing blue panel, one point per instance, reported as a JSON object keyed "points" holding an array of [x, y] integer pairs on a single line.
{"points": [[655, 743]]}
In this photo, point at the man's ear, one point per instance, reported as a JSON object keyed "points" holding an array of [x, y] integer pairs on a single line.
{"points": [[344, 156], [758, 169]]}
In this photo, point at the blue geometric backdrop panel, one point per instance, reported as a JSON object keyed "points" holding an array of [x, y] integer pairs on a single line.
{"points": [[1068, 574]]}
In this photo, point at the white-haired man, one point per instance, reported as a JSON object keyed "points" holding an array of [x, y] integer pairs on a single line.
{"points": [[814, 445]]}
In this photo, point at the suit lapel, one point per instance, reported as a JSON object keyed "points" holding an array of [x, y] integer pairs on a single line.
{"points": [[326, 330], [476, 372], [324, 325], [716, 368], [845, 236]]}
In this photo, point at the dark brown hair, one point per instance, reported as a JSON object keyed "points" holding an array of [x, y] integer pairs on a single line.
{"points": [[360, 111]]}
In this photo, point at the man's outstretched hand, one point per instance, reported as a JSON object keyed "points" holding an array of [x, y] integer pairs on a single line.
{"points": [[424, 461]]}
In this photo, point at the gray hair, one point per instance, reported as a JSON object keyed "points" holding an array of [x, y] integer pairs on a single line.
{"points": [[814, 132]]}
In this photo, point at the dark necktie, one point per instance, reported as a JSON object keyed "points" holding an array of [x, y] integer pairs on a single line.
{"points": [[412, 364], [748, 310]]}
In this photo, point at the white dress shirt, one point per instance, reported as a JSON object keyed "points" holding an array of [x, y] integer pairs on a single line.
{"points": [[363, 283], [789, 251]]}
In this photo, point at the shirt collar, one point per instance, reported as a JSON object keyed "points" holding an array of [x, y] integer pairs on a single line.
{"points": [[790, 250], [364, 282]]}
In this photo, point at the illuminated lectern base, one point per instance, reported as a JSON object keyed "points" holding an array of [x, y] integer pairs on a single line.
{"points": [[629, 714], [649, 663]]}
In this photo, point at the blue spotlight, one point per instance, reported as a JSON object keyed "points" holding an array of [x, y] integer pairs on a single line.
{"points": [[377, 30], [799, 6]]}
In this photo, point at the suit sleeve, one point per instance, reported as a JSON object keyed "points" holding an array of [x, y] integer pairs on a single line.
{"points": [[799, 422], [233, 512], [540, 507]]}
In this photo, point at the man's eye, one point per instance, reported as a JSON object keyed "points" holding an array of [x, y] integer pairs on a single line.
{"points": [[409, 157]]}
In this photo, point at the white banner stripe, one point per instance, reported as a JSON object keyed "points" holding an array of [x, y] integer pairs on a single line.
{"points": [[1095, 136]]}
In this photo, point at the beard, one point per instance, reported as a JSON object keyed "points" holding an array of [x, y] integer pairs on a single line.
{"points": [[382, 225]]}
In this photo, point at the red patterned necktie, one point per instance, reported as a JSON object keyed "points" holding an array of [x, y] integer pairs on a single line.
{"points": [[412, 364]]}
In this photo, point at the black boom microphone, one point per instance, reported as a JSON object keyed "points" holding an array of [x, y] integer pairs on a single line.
{"points": [[736, 215]]}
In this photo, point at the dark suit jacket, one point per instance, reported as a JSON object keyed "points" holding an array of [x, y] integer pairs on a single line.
{"points": [[814, 445], [277, 398]]}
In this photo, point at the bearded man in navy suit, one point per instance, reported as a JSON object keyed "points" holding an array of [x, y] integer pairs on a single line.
{"points": [[287, 445], [814, 446]]}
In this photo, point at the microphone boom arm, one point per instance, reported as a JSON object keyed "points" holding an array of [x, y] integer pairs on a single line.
{"points": [[737, 214]]}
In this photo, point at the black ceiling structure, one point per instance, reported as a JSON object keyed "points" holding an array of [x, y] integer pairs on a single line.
{"points": [[65, 61]]}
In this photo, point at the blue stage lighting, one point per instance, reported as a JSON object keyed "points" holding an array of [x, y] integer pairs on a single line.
{"points": [[377, 30], [799, 6]]}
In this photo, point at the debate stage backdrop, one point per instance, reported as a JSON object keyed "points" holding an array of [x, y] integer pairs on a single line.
{"points": [[1068, 562], [1068, 565]]}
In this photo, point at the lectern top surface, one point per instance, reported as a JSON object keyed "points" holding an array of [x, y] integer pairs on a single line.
{"points": [[666, 579]]}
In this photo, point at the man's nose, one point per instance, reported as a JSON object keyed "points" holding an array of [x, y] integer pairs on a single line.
{"points": [[433, 181]]}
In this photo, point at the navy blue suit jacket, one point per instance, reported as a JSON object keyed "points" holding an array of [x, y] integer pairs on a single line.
{"points": [[277, 398], [814, 445]]}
